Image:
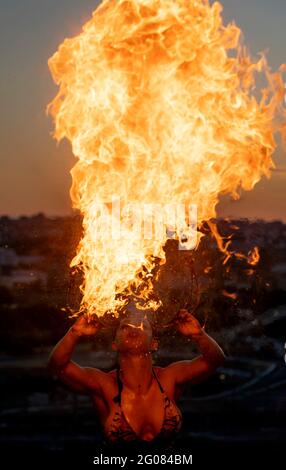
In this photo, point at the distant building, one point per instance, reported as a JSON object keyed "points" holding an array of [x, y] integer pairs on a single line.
{"points": [[18, 270]]}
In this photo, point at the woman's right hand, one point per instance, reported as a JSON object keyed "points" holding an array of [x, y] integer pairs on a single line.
{"points": [[86, 326]]}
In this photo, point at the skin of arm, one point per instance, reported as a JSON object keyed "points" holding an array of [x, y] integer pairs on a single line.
{"points": [[204, 365], [79, 379]]}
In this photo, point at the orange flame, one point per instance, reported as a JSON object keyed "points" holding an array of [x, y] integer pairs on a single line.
{"points": [[254, 256], [157, 100], [230, 295], [140, 327]]}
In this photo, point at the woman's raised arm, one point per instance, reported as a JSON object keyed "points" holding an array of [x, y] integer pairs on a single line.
{"points": [[79, 379]]}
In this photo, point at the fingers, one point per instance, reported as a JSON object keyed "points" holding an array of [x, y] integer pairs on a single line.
{"points": [[181, 317], [90, 318], [183, 314], [94, 322], [91, 321]]}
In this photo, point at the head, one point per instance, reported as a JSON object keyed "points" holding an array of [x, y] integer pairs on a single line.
{"points": [[134, 335]]}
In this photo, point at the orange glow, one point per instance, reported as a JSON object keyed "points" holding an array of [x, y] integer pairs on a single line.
{"points": [[254, 256], [230, 295], [157, 100], [140, 327]]}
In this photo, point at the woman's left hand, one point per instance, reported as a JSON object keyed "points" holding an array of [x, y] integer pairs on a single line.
{"points": [[187, 324]]}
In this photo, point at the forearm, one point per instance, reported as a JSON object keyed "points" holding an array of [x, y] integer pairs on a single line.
{"points": [[209, 348], [62, 352]]}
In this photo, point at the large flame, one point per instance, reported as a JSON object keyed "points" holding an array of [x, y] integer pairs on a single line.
{"points": [[158, 100]]}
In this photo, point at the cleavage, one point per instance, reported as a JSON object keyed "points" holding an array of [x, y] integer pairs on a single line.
{"points": [[144, 414]]}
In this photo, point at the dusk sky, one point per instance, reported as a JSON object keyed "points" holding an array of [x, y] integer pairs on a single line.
{"points": [[34, 170]]}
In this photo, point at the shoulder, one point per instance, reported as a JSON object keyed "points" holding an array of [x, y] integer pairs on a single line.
{"points": [[112, 376], [166, 380], [112, 373], [162, 373], [158, 370]]}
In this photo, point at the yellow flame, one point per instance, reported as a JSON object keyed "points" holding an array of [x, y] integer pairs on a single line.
{"points": [[157, 100], [254, 256]]}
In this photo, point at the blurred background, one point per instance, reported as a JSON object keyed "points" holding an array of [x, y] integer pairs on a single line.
{"points": [[243, 308]]}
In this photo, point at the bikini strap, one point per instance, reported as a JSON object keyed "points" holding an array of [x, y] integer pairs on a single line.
{"points": [[117, 398], [160, 386]]}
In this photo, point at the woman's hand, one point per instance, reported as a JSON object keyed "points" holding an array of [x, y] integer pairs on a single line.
{"points": [[187, 324], [86, 326]]}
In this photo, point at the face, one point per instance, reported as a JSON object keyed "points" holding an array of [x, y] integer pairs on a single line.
{"points": [[133, 334]]}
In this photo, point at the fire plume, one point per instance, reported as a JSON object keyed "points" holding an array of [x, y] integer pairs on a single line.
{"points": [[158, 101]]}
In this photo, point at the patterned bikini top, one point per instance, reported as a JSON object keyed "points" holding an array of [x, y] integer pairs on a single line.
{"points": [[121, 431]]}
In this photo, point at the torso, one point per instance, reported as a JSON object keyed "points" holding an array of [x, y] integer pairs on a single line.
{"points": [[145, 414]]}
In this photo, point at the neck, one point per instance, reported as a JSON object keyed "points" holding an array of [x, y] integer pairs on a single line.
{"points": [[136, 372]]}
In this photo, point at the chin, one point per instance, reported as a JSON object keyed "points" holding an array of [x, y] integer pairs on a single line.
{"points": [[132, 346]]}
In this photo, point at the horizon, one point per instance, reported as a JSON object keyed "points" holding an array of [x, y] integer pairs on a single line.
{"points": [[77, 214]]}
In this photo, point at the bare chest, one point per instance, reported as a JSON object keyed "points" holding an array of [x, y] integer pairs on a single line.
{"points": [[144, 413]]}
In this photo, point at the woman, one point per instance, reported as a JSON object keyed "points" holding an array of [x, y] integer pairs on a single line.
{"points": [[136, 401]]}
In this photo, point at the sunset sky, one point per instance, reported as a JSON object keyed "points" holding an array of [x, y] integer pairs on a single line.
{"points": [[34, 170]]}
